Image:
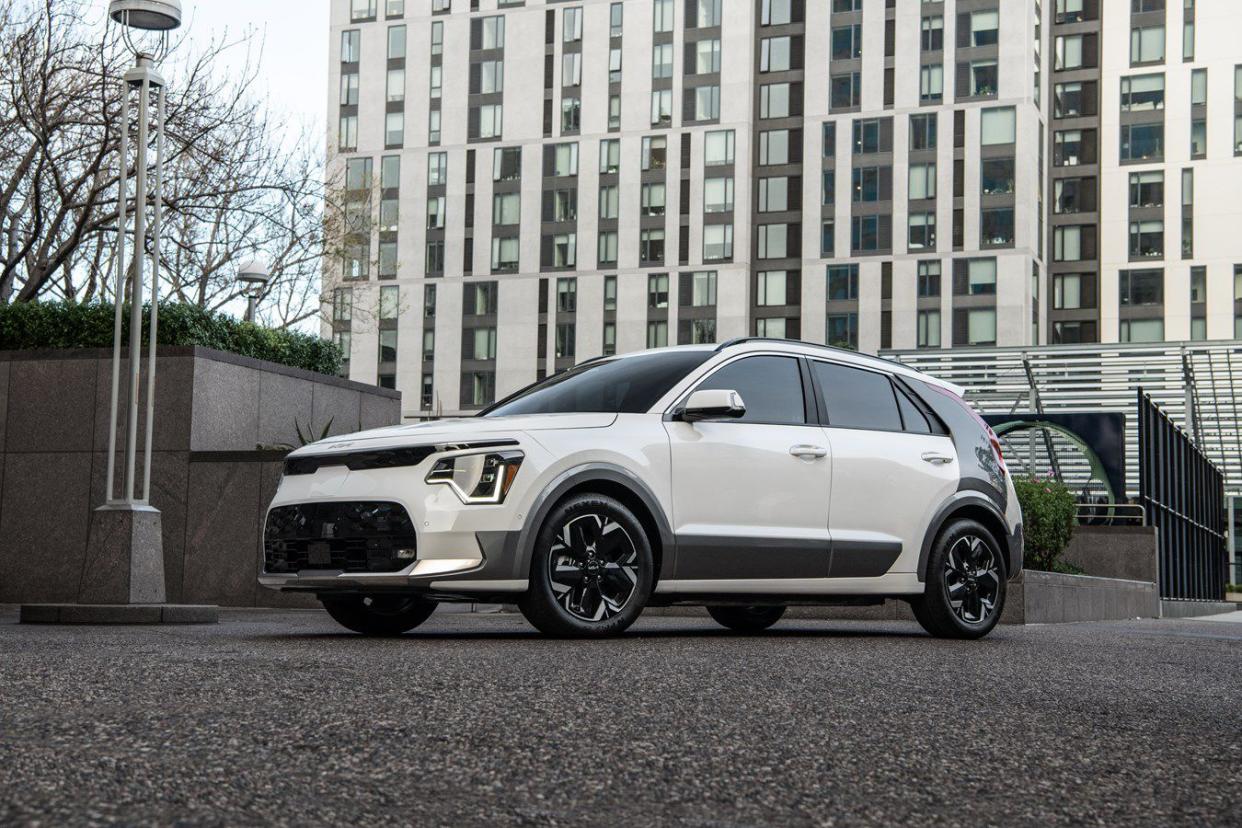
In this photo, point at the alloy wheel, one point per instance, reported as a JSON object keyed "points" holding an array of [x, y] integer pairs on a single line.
{"points": [[972, 579], [593, 567]]}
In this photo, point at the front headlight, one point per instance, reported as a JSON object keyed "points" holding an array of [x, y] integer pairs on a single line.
{"points": [[478, 478]]}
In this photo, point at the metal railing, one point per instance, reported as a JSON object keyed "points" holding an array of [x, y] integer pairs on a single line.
{"points": [[1184, 495]]}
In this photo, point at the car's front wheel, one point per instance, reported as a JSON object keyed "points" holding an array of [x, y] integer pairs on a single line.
{"points": [[378, 614], [965, 588], [746, 619], [592, 569]]}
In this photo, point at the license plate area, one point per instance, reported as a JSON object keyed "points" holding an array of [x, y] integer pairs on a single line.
{"points": [[319, 553]]}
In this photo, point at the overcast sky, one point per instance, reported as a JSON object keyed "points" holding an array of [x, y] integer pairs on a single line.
{"points": [[294, 39]]}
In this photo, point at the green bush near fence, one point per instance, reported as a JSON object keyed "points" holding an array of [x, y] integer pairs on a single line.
{"points": [[1048, 518], [35, 325]]}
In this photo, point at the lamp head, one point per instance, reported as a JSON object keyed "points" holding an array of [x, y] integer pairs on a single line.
{"points": [[146, 15], [253, 274]]}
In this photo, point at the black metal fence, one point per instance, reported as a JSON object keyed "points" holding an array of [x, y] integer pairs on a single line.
{"points": [[1183, 495]]}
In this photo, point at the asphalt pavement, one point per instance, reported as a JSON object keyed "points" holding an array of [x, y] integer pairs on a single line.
{"points": [[282, 717]]}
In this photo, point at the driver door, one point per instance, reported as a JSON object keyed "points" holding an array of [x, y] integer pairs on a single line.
{"points": [[751, 494]]}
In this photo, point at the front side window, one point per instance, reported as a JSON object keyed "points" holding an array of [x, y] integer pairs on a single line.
{"points": [[770, 388]]}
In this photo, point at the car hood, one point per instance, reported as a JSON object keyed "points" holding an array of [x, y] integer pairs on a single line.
{"points": [[456, 430]]}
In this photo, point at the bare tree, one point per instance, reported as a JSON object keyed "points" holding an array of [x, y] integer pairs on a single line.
{"points": [[235, 186]]}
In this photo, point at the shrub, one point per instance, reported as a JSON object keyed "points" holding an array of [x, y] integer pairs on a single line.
{"points": [[1048, 517], [33, 325]]}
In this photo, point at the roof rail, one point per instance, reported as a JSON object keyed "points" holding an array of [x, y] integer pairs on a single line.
{"points": [[742, 340]]}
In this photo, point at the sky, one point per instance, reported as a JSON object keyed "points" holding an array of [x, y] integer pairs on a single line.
{"points": [[293, 35]]}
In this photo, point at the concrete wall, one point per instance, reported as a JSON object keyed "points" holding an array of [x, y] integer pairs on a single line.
{"points": [[210, 484], [1127, 552]]}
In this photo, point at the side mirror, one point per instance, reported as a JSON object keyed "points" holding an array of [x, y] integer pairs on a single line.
{"points": [[704, 405]]}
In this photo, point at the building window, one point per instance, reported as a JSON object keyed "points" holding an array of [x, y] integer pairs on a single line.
{"points": [[707, 56], [437, 168], [348, 133], [770, 328], [1146, 239], [396, 42], [981, 326], [847, 42], [922, 231], [566, 334], [610, 293], [651, 246], [984, 28], [703, 289], [776, 12], [607, 247], [1147, 189], [996, 176], [1141, 287], [706, 103], [661, 107], [929, 329], [996, 226], [928, 279], [662, 61], [717, 195], [717, 242], [718, 148], [922, 181], [773, 241], [1142, 142], [662, 19], [845, 91], [349, 89], [980, 277], [931, 83], [657, 334], [842, 282], [932, 38], [1067, 291], [842, 330], [505, 255], [998, 126], [1147, 44], [350, 46], [1142, 93], [983, 78], [774, 147], [770, 288]]}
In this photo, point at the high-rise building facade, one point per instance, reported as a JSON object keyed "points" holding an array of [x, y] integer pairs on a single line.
{"points": [[527, 184]]}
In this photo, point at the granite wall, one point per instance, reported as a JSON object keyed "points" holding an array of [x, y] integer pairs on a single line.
{"points": [[208, 480]]}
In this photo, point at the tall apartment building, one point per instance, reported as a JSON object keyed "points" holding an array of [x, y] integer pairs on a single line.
{"points": [[530, 183]]}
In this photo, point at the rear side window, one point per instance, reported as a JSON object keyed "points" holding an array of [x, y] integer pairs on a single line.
{"points": [[913, 419], [770, 387], [855, 398]]}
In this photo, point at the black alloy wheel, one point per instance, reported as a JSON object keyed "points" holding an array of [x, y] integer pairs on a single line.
{"points": [[592, 569], [965, 590]]}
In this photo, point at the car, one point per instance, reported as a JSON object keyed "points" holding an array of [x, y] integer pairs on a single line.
{"points": [[745, 477]]}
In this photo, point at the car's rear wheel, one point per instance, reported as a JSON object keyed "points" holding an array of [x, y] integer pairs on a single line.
{"points": [[746, 619], [378, 614], [592, 569], [965, 587]]}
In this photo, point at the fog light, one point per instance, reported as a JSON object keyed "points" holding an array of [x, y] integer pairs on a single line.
{"points": [[407, 554]]}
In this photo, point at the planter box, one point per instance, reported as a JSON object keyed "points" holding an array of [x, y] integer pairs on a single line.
{"points": [[207, 478], [1053, 598]]}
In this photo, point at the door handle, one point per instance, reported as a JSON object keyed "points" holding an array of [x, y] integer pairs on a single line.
{"points": [[805, 451], [936, 458]]}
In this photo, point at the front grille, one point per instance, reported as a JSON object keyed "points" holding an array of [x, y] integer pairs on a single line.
{"points": [[354, 536]]}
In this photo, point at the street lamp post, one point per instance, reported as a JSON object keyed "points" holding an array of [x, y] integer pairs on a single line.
{"points": [[125, 559], [253, 277]]}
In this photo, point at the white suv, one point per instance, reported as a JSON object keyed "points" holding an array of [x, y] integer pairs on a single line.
{"points": [[745, 477]]}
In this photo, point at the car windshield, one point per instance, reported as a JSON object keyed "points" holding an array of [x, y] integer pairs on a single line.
{"points": [[628, 385]]}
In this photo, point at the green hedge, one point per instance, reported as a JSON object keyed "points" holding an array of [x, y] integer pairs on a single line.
{"points": [[32, 325], [1048, 520]]}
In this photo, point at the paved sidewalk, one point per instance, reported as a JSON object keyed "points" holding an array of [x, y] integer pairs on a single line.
{"points": [[1227, 617], [281, 717]]}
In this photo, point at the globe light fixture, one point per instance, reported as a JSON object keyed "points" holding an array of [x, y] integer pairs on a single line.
{"points": [[253, 276]]}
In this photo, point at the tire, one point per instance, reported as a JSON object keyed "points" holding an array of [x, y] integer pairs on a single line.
{"points": [[746, 619], [965, 588], [591, 571], [378, 615]]}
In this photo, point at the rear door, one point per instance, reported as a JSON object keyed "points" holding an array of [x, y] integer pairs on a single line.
{"points": [[892, 468], [751, 495]]}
